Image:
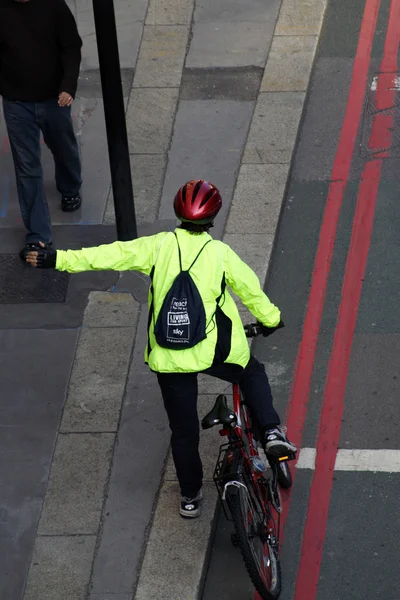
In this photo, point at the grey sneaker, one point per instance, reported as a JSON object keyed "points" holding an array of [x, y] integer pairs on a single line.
{"points": [[276, 443], [190, 508]]}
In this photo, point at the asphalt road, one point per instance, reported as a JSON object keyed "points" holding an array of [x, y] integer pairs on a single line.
{"points": [[335, 276]]}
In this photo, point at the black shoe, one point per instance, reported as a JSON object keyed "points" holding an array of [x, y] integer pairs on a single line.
{"points": [[276, 443], [71, 203], [31, 247], [190, 508]]}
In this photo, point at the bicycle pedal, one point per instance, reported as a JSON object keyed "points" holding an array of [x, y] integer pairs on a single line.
{"points": [[287, 457]]}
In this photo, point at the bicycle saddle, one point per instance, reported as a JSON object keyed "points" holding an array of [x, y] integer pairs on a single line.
{"points": [[221, 414]]}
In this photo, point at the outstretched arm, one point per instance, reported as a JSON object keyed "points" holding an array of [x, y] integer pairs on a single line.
{"points": [[136, 255]]}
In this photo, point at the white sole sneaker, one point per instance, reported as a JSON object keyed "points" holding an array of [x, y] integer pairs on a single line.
{"points": [[190, 511], [279, 447]]}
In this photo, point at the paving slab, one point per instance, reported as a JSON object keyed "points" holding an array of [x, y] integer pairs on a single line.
{"points": [[150, 117], [30, 411], [107, 309], [75, 493], [169, 12], [147, 177], [260, 188], [138, 464], [213, 150], [129, 35], [169, 534], [162, 55], [129, 18], [210, 11], [60, 568], [300, 17], [252, 249], [98, 379], [221, 44], [237, 83], [274, 127], [289, 64]]}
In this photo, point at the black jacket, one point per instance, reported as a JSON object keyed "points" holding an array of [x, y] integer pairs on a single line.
{"points": [[40, 50]]}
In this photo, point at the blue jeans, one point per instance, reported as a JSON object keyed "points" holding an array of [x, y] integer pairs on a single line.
{"points": [[25, 121]]}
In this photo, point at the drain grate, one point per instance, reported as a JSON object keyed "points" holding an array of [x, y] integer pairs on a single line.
{"points": [[20, 284], [391, 82]]}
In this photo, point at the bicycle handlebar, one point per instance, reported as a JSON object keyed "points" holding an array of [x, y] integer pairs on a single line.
{"points": [[255, 329]]}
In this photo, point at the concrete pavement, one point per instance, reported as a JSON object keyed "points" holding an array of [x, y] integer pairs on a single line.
{"points": [[214, 89]]}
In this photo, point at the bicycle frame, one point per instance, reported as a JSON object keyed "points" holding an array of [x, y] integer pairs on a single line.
{"points": [[237, 403], [248, 496], [241, 435]]}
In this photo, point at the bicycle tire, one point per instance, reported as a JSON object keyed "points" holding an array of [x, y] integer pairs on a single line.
{"points": [[268, 590], [284, 476]]}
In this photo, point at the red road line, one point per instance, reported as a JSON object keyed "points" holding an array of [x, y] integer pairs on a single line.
{"points": [[340, 172], [330, 423], [333, 403]]}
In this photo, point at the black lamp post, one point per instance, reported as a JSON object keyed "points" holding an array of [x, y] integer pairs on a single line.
{"points": [[114, 112]]}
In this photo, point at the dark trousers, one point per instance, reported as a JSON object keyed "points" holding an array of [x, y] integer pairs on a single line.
{"points": [[179, 391], [25, 121]]}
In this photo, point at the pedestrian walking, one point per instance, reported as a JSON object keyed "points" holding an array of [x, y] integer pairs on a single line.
{"points": [[40, 55]]}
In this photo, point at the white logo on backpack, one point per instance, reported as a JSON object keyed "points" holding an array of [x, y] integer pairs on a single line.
{"points": [[178, 318]]}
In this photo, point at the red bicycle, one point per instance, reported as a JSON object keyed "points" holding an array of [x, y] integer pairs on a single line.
{"points": [[249, 495]]}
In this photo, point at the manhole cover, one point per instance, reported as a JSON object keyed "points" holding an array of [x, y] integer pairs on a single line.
{"points": [[21, 284], [389, 82]]}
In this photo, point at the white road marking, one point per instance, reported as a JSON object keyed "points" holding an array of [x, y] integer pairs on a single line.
{"points": [[384, 461], [395, 83], [306, 458]]}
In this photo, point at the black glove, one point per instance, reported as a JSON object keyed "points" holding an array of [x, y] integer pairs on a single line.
{"points": [[269, 330], [46, 258]]}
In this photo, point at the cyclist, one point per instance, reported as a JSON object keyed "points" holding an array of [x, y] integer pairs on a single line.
{"points": [[224, 353]]}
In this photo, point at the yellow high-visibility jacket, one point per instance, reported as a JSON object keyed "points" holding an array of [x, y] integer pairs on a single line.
{"points": [[226, 340]]}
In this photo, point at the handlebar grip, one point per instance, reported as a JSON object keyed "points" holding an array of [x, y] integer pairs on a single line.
{"points": [[255, 329]]}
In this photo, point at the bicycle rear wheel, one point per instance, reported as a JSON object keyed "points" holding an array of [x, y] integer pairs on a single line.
{"points": [[256, 546]]}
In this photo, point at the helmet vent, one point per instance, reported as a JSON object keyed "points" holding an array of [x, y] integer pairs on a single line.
{"points": [[207, 197], [184, 190], [196, 189]]}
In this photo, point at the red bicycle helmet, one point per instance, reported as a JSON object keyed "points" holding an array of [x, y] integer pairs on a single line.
{"points": [[197, 202]]}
